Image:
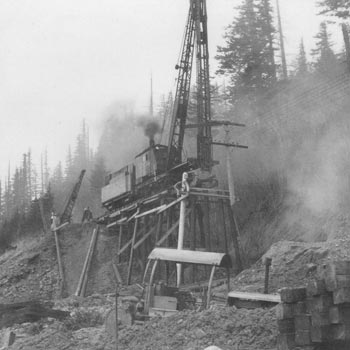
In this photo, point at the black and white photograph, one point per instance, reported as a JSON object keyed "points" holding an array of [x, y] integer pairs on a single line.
{"points": [[175, 175]]}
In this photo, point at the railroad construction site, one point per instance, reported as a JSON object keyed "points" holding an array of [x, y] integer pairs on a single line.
{"points": [[218, 220]]}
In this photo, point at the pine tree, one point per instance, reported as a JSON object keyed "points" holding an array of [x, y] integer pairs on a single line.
{"points": [[69, 169], [338, 8], [302, 64], [248, 56], [326, 61]]}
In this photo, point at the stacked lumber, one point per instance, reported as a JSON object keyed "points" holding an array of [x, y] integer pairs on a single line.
{"points": [[317, 316]]}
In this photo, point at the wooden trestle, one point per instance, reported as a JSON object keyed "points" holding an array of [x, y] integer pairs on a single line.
{"points": [[210, 226]]}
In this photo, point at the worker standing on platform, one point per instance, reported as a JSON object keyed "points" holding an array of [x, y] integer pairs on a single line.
{"points": [[55, 221], [87, 215]]}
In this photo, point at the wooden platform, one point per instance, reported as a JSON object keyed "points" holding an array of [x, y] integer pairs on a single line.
{"points": [[252, 300]]}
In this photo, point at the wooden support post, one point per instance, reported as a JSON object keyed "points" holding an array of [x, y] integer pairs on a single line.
{"points": [[60, 265], [210, 285], [206, 233], [235, 238], [85, 280], [131, 258], [82, 283], [117, 274], [116, 317], [193, 236], [267, 264], [222, 207], [120, 240], [233, 221]]}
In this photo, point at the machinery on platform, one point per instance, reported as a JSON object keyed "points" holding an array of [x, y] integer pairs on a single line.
{"points": [[161, 166]]}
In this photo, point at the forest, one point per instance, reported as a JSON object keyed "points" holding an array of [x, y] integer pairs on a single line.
{"points": [[253, 62]]}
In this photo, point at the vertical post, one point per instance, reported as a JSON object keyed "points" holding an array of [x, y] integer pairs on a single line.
{"points": [[222, 206], [181, 233], [347, 43], [131, 258], [210, 284], [233, 221], [116, 316], [119, 242], [193, 235], [59, 261], [267, 263]]}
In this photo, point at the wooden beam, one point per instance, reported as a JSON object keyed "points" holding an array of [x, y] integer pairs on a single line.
{"points": [[90, 256], [144, 237], [117, 274], [131, 258], [178, 200], [273, 298], [60, 265], [168, 233], [87, 263]]}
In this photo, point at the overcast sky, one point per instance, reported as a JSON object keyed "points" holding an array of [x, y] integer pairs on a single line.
{"points": [[65, 60]]}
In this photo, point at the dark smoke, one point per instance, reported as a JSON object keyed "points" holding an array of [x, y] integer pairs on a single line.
{"points": [[150, 127]]}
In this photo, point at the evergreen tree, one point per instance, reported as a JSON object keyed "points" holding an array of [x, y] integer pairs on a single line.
{"points": [[69, 169], [302, 64], [326, 61], [338, 8], [248, 56]]}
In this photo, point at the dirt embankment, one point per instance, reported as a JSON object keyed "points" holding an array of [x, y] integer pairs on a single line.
{"points": [[31, 272]]}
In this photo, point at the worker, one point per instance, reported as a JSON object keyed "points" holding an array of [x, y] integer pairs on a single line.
{"points": [[87, 215], [55, 221]]}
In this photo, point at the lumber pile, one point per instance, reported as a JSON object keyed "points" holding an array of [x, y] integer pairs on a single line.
{"points": [[317, 316]]}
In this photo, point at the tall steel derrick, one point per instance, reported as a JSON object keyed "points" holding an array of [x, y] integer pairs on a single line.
{"points": [[195, 44]]}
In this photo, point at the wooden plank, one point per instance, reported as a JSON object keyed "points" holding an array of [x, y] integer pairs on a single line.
{"points": [[272, 298], [293, 295]]}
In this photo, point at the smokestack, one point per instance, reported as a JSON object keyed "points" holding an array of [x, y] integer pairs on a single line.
{"points": [[151, 142]]}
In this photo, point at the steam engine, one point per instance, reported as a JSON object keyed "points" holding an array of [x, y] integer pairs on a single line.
{"points": [[137, 178]]}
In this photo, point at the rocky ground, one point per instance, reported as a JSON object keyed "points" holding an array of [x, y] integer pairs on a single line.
{"points": [[30, 272]]}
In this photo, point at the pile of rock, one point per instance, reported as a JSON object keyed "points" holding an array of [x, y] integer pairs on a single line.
{"points": [[318, 316]]}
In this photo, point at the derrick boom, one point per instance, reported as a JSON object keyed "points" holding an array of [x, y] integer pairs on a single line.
{"points": [[179, 115], [195, 43]]}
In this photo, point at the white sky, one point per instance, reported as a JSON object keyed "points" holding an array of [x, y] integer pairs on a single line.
{"points": [[64, 60]]}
